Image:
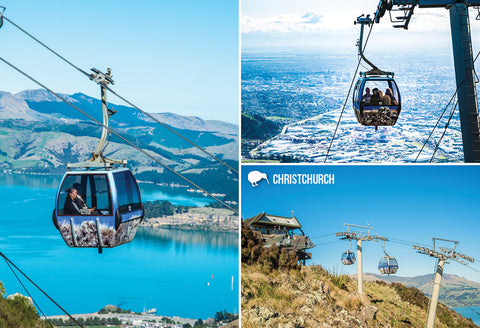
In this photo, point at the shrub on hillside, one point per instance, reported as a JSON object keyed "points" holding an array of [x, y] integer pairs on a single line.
{"points": [[270, 258]]}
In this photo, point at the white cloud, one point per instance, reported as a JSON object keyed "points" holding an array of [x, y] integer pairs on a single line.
{"points": [[432, 20], [311, 21]]}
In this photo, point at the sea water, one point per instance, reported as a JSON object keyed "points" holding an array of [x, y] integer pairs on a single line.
{"points": [[472, 312], [184, 273]]}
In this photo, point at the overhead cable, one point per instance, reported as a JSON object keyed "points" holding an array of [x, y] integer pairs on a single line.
{"points": [[441, 116], [444, 131], [348, 95], [38, 287], [28, 293]]}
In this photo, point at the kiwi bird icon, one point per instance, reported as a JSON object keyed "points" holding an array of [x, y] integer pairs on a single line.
{"points": [[256, 176]]}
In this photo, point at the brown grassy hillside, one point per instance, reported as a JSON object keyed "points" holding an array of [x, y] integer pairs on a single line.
{"points": [[313, 297]]}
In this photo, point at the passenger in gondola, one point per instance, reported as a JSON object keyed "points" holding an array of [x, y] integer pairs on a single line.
{"points": [[389, 93], [75, 205], [386, 100], [382, 98], [366, 97], [80, 193], [375, 99]]}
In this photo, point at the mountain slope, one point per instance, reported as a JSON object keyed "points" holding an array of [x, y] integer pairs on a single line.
{"points": [[456, 291], [313, 297], [41, 134]]}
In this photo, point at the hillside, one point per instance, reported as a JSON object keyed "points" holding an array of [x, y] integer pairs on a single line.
{"points": [[276, 292], [257, 127], [456, 291], [40, 134], [313, 297], [17, 311]]}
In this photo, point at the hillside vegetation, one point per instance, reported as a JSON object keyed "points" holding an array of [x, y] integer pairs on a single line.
{"points": [[456, 291], [314, 297], [17, 311]]}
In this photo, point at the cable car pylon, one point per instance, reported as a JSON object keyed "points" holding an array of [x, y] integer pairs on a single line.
{"points": [[442, 255], [362, 235], [463, 60]]}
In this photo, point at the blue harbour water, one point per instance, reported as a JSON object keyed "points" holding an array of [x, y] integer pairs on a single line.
{"points": [[190, 274], [471, 312]]}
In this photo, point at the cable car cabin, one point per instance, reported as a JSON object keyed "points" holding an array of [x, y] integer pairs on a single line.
{"points": [[388, 265], [98, 207], [376, 101], [348, 258]]}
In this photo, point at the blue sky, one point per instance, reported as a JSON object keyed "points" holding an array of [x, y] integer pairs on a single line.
{"points": [[179, 56], [325, 25], [407, 203]]}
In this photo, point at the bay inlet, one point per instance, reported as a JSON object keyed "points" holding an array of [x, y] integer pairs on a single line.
{"points": [[185, 273]]}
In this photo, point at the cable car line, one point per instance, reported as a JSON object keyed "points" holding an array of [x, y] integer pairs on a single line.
{"points": [[438, 121], [172, 130], [28, 293], [441, 116], [47, 47], [331, 242], [38, 287], [325, 235], [119, 136], [444, 131], [125, 100], [348, 95]]}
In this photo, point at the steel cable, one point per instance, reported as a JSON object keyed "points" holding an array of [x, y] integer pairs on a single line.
{"points": [[444, 131], [348, 95], [38, 287], [28, 293], [444, 110]]}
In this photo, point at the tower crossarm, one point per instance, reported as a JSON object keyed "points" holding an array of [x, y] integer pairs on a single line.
{"points": [[433, 3], [347, 235], [430, 252], [445, 254]]}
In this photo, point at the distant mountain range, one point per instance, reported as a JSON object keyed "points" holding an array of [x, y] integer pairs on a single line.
{"points": [[455, 292], [40, 133]]}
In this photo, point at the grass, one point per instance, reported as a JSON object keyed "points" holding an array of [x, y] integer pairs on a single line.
{"points": [[338, 279], [315, 295]]}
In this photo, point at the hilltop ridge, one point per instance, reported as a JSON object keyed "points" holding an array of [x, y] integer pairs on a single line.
{"points": [[41, 134]]}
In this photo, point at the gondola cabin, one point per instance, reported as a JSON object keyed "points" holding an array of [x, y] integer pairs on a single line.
{"points": [[348, 258], [98, 207], [376, 100], [388, 265]]}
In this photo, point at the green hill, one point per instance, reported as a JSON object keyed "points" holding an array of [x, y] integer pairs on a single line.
{"points": [[456, 291], [17, 311]]}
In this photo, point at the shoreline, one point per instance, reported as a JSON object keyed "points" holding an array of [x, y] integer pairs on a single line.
{"points": [[132, 319], [197, 218]]}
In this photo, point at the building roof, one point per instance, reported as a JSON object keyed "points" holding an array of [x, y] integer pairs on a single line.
{"points": [[264, 219]]}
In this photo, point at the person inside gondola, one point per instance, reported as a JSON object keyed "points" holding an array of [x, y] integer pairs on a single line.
{"points": [[75, 205], [80, 194], [366, 97], [386, 100], [375, 99], [389, 93]]}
